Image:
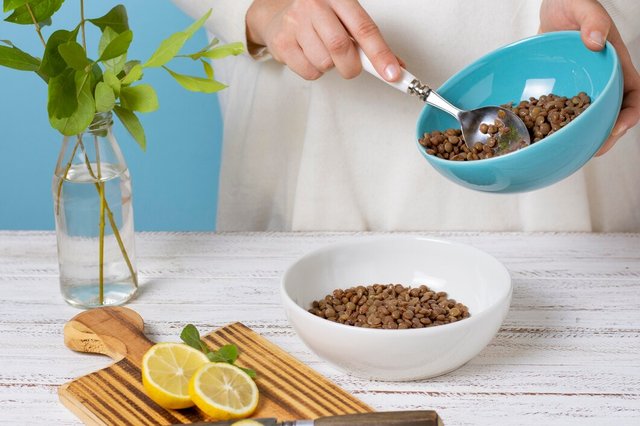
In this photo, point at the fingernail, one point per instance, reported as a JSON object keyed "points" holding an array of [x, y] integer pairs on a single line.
{"points": [[619, 131], [391, 72], [596, 37]]}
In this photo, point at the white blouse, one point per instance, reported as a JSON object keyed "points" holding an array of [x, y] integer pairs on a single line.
{"points": [[337, 154]]}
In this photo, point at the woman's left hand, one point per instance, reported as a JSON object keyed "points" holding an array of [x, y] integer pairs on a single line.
{"points": [[597, 27]]}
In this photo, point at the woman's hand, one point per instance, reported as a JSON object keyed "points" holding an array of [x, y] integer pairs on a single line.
{"points": [[313, 36], [596, 26]]}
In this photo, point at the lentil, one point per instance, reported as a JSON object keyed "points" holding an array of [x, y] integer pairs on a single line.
{"points": [[542, 116], [389, 306]]}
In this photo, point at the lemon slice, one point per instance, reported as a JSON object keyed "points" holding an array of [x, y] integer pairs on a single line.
{"points": [[166, 370], [223, 391]]}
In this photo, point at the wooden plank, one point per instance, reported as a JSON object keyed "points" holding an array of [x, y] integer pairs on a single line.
{"points": [[289, 390]]}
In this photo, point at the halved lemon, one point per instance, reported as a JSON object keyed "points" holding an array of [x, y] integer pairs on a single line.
{"points": [[223, 391], [166, 371]]}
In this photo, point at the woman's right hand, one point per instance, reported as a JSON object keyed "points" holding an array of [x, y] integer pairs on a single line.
{"points": [[313, 36]]}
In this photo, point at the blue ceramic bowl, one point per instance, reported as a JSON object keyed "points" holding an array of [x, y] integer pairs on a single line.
{"points": [[556, 63]]}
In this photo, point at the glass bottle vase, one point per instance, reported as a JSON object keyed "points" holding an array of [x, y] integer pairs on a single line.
{"points": [[92, 202]]}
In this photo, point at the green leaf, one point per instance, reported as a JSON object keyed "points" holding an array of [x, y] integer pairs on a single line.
{"points": [[140, 98], [117, 47], [116, 19], [52, 62], [191, 30], [251, 373], [197, 84], [229, 353], [62, 100], [105, 98], [132, 124], [13, 4], [74, 55], [42, 11], [191, 336], [133, 75], [83, 115], [208, 69], [170, 47], [215, 357], [12, 57], [113, 82], [220, 52], [116, 64]]}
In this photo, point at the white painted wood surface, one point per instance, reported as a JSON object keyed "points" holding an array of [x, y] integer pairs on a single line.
{"points": [[567, 354]]}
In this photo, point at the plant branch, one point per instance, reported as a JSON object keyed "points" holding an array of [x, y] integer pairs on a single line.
{"points": [[101, 224], [84, 36], [112, 221], [35, 23], [64, 176]]}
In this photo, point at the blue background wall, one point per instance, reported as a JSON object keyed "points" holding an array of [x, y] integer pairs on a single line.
{"points": [[174, 182]]}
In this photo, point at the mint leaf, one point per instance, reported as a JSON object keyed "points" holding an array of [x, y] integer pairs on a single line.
{"points": [[116, 19], [229, 353], [191, 337], [196, 84], [12, 57], [42, 10], [140, 98], [251, 373], [132, 124]]}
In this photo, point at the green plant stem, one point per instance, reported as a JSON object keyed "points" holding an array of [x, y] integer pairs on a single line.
{"points": [[112, 221], [101, 224], [35, 23], [84, 36], [64, 176]]}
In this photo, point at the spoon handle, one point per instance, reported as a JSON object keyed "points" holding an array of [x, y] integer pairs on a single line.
{"points": [[403, 84], [408, 83]]}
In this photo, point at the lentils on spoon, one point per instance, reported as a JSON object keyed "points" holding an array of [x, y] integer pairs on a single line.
{"points": [[542, 117]]}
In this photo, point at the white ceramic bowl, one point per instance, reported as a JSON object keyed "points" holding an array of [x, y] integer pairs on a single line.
{"points": [[467, 274]]}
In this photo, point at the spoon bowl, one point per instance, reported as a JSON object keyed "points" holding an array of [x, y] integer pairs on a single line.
{"points": [[515, 138]]}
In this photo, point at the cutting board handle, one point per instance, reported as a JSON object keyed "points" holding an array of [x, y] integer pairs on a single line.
{"points": [[113, 331]]}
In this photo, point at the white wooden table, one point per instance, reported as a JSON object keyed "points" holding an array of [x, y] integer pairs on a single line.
{"points": [[567, 354]]}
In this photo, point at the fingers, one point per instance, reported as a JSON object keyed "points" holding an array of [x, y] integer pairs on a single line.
{"points": [[368, 36], [629, 117], [337, 41], [285, 48], [594, 23], [315, 50]]}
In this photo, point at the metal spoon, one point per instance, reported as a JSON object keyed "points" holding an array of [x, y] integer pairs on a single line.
{"points": [[517, 137]]}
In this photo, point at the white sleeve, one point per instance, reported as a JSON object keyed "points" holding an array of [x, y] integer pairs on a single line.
{"points": [[227, 21], [626, 15]]}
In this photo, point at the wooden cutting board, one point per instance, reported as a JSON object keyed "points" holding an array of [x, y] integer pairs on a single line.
{"points": [[289, 390]]}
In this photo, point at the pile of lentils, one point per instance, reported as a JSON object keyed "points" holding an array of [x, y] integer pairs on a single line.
{"points": [[542, 116], [389, 306]]}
